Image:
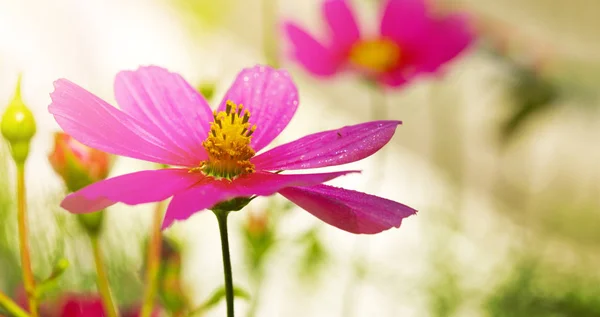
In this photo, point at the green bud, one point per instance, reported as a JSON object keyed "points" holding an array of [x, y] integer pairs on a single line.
{"points": [[18, 126], [92, 222], [207, 89]]}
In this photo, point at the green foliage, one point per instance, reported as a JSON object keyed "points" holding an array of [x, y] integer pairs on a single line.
{"points": [[217, 296], [314, 255], [171, 290], [203, 14], [533, 291], [532, 95]]}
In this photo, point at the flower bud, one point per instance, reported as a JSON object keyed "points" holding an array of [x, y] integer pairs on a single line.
{"points": [[207, 89], [18, 126], [257, 223], [77, 164]]}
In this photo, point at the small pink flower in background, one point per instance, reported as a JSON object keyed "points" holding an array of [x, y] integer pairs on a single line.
{"points": [[165, 120], [411, 41], [82, 305], [77, 305], [77, 164]]}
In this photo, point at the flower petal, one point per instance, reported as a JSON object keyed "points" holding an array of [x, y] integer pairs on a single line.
{"points": [[131, 189], [328, 148], [395, 78], [342, 24], [349, 210], [76, 305], [210, 192], [404, 20], [445, 39], [95, 123], [314, 56], [271, 97], [165, 100]]}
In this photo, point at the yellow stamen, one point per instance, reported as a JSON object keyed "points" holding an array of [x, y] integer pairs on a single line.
{"points": [[228, 144], [378, 55]]}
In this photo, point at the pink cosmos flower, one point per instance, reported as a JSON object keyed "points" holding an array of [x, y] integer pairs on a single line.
{"points": [[164, 120], [410, 41]]}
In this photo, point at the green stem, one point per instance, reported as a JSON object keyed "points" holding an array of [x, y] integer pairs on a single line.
{"points": [[102, 279], [378, 104], [255, 297], [28, 279], [153, 262], [11, 307], [222, 219]]}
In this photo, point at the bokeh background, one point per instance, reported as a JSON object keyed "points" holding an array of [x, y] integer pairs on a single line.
{"points": [[500, 154]]}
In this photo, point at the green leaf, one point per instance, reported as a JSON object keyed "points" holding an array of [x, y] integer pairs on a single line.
{"points": [[217, 296]]}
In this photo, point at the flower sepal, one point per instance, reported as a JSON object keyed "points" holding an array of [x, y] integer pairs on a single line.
{"points": [[234, 204], [92, 222]]}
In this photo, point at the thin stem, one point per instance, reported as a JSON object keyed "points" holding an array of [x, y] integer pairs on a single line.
{"points": [[28, 279], [153, 262], [255, 297], [12, 307], [378, 105], [102, 279], [222, 218]]}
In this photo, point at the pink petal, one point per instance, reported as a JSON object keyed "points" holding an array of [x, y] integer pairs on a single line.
{"points": [[333, 147], [99, 125], [82, 306], [343, 26], [131, 189], [314, 56], [404, 20], [394, 79], [165, 100], [270, 95], [445, 39], [210, 192], [349, 210]]}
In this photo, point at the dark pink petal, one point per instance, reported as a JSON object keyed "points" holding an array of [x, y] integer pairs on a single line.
{"points": [[132, 189], [99, 125], [342, 24], [445, 39], [394, 79], [333, 147], [314, 56], [404, 20], [165, 100], [206, 194], [349, 210], [270, 95]]}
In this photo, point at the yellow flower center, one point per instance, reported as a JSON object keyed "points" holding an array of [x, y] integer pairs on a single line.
{"points": [[228, 144], [377, 55]]}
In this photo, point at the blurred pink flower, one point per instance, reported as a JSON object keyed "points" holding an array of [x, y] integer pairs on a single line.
{"points": [[77, 305], [165, 120], [410, 41]]}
